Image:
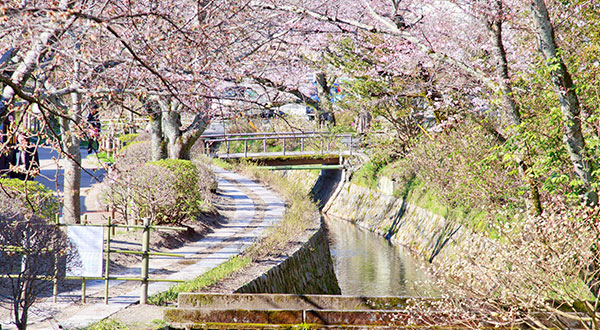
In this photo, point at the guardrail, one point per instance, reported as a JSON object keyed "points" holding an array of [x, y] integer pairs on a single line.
{"points": [[347, 142]]}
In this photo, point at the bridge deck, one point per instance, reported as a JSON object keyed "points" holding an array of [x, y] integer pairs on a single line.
{"points": [[290, 154]]}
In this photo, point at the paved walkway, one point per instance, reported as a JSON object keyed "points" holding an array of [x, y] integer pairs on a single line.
{"points": [[227, 241], [52, 176]]}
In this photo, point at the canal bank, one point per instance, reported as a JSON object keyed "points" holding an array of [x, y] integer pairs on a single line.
{"points": [[365, 262], [426, 234]]}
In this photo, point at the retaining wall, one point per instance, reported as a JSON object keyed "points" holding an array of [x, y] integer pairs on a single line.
{"points": [[307, 269], [427, 234]]}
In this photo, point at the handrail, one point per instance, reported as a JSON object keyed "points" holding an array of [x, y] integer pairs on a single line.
{"points": [[283, 136], [262, 134], [277, 137]]}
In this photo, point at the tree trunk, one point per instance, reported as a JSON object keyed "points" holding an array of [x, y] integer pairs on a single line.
{"points": [[193, 133], [569, 102], [22, 323], [171, 129], [72, 170], [180, 142], [71, 145], [323, 92], [156, 133], [511, 111]]}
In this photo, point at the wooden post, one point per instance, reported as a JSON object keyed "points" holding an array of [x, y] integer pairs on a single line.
{"points": [[83, 286], [106, 271], [145, 261], [351, 145], [112, 215], [301, 144], [264, 144], [55, 280], [283, 146], [245, 148], [126, 211], [322, 145], [227, 144]]}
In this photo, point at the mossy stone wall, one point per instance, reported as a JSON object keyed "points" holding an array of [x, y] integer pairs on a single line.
{"points": [[427, 234], [308, 270]]}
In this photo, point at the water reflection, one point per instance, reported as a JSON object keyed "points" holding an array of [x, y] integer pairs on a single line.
{"points": [[367, 264]]}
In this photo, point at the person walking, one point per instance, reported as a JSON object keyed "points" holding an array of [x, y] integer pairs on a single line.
{"points": [[26, 163], [94, 130]]}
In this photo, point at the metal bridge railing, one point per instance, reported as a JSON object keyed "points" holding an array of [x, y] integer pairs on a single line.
{"points": [[347, 142]]}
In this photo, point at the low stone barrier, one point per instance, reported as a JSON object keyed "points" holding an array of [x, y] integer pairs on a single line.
{"points": [[288, 301], [261, 311], [309, 269]]}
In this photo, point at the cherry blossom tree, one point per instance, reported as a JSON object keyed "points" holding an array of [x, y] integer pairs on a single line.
{"points": [[77, 53]]}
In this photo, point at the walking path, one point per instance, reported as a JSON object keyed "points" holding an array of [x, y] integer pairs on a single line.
{"points": [[230, 239], [52, 177]]}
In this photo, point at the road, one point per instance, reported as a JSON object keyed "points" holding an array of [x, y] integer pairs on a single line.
{"points": [[52, 175]]}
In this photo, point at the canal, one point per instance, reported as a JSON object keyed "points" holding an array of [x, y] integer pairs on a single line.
{"points": [[367, 264]]}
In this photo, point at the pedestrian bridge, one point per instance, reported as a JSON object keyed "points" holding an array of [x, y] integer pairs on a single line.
{"points": [[283, 149]]}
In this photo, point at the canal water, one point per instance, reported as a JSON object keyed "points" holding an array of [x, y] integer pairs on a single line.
{"points": [[367, 264]]}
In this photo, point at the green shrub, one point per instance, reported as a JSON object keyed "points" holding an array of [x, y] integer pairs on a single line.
{"points": [[166, 191], [206, 177], [128, 138], [28, 197], [134, 154]]}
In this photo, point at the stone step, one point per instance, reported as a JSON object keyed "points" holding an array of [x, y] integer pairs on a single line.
{"points": [[289, 302], [193, 318]]}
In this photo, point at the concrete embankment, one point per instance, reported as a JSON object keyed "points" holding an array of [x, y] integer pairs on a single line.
{"points": [[425, 233], [306, 268]]}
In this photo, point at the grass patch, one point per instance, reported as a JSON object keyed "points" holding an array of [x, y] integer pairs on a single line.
{"points": [[102, 156], [112, 324], [108, 324], [294, 222], [417, 193], [366, 176], [221, 163], [209, 278]]}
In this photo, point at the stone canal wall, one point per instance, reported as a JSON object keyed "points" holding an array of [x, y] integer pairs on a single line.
{"points": [[307, 268], [426, 234]]}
